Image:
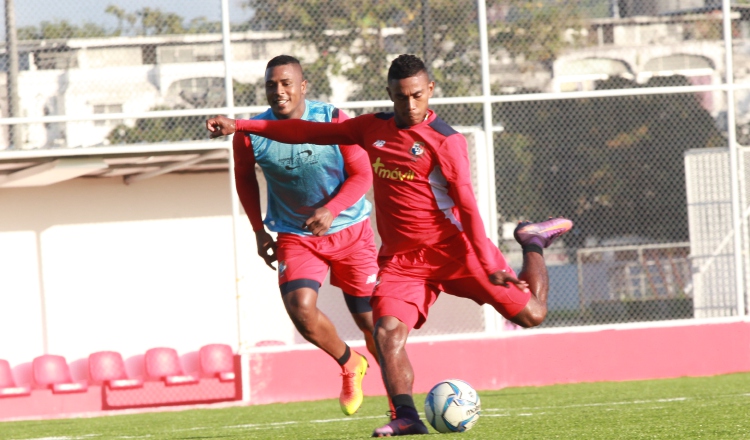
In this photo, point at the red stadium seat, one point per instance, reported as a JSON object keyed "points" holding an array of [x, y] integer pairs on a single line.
{"points": [[163, 363], [108, 368], [217, 360], [52, 371], [8, 386]]}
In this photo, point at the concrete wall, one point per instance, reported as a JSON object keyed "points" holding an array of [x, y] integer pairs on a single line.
{"points": [[93, 264], [525, 358]]}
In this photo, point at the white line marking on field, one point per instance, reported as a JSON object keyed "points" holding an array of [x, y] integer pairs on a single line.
{"points": [[260, 425], [78, 437], [348, 419], [54, 438], [584, 405]]}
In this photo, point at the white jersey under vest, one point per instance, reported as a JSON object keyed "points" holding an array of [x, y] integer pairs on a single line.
{"points": [[303, 177]]}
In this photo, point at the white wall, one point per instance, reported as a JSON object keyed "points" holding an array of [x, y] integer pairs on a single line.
{"points": [[128, 268]]}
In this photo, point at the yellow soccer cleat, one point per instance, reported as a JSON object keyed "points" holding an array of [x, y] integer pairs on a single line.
{"points": [[351, 389]]}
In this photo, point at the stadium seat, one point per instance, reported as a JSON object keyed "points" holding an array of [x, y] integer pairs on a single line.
{"points": [[107, 367], [164, 363], [8, 386], [217, 360], [52, 371]]}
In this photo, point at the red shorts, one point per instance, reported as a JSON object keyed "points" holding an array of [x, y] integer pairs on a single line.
{"points": [[409, 283], [350, 254]]}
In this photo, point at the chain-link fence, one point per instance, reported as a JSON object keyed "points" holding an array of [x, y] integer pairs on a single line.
{"points": [[629, 117]]}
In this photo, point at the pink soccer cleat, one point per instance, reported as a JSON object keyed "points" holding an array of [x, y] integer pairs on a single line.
{"points": [[398, 427], [541, 234]]}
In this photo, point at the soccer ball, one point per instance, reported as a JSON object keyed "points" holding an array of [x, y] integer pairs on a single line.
{"points": [[452, 406]]}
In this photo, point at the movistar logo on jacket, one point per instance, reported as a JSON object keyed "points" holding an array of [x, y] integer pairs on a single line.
{"points": [[379, 170]]}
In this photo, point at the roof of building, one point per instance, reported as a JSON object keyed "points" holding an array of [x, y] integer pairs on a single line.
{"points": [[132, 163]]}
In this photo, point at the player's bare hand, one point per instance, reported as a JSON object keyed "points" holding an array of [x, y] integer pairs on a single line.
{"points": [[502, 278], [320, 221], [220, 126], [266, 247]]}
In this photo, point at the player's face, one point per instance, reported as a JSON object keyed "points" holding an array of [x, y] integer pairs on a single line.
{"points": [[410, 98], [285, 91]]}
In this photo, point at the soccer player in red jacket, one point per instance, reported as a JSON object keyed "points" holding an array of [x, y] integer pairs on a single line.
{"points": [[432, 234]]}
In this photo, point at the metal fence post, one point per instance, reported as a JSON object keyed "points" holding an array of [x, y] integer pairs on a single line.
{"points": [[733, 159], [492, 223]]}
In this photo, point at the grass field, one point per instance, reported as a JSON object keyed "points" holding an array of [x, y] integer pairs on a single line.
{"points": [[686, 408]]}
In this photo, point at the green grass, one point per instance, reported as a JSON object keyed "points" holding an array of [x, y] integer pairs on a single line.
{"points": [[686, 408]]}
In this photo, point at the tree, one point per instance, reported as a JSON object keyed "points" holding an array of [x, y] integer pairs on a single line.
{"points": [[61, 29], [144, 21], [346, 36], [156, 22], [614, 165], [357, 38], [535, 32], [122, 18]]}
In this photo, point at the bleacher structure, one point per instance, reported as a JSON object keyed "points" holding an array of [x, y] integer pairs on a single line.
{"points": [[53, 391]]}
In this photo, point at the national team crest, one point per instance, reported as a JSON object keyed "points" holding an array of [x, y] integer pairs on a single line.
{"points": [[282, 268], [417, 149], [378, 144]]}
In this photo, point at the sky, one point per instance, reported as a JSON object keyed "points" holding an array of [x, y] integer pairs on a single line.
{"points": [[33, 12]]}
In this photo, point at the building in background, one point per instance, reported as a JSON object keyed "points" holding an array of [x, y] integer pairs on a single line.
{"points": [[128, 75]]}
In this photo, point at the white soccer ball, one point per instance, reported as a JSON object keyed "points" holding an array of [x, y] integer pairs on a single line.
{"points": [[452, 406]]}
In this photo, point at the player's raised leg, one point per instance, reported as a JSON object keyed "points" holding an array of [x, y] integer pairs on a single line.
{"points": [[534, 238], [317, 328]]}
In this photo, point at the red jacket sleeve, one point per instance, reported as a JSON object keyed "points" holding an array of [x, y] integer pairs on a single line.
{"points": [[298, 131], [454, 162], [358, 175], [246, 183], [473, 225]]}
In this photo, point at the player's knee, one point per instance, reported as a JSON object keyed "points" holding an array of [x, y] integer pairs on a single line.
{"points": [[300, 303], [303, 315], [390, 334], [532, 316], [537, 317]]}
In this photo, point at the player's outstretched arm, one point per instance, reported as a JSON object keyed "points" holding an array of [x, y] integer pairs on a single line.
{"points": [[220, 126], [289, 131]]}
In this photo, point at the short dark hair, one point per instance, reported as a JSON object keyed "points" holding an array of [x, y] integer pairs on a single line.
{"points": [[283, 60], [406, 66]]}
